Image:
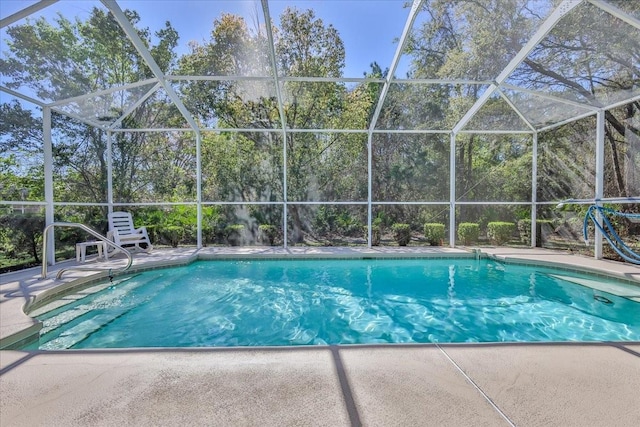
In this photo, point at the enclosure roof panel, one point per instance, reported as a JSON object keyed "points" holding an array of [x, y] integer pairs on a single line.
{"points": [[293, 65]]}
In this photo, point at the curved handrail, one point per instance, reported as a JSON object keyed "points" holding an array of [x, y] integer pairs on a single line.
{"points": [[88, 230]]}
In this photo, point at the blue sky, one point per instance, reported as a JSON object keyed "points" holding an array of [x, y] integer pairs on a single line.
{"points": [[368, 28]]}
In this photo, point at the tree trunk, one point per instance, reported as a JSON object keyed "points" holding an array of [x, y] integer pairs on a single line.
{"points": [[296, 236]]}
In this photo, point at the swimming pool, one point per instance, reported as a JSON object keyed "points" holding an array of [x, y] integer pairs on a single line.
{"points": [[319, 302]]}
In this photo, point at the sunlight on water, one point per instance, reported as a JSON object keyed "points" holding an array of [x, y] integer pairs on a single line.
{"points": [[242, 303]]}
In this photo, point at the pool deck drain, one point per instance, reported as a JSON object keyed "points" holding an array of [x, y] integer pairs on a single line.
{"points": [[446, 384]]}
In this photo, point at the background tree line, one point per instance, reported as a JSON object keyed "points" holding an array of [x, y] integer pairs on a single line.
{"points": [[588, 55]]}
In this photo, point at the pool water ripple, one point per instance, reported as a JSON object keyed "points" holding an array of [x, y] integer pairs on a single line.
{"points": [[249, 303]]}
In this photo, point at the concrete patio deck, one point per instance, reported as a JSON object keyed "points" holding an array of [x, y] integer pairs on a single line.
{"points": [[569, 384]]}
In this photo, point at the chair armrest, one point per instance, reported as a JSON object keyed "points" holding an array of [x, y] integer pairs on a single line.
{"points": [[141, 230]]}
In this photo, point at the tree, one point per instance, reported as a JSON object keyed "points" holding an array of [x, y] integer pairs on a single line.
{"points": [[64, 58], [304, 47]]}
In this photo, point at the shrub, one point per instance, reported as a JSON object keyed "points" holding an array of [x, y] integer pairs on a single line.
{"points": [[500, 232], [268, 233], [468, 232], [376, 232], [542, 227], [401, 233], [434, 233], [234, 234], [171, 234]]}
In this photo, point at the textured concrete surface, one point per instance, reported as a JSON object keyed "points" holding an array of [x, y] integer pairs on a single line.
{"points": [[560, 385], [151, 388], [390, 385], [409, 386], [426, 385]]}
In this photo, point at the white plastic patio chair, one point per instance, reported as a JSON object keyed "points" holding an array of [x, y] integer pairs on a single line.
{"points": [[123, 233]]}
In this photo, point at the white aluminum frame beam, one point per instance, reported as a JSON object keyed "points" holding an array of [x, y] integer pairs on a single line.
{"points": [[199, 190], [516, 110], [599, 184], [413, 13], [23, 97], [26, 12], [98, 125], [101, 92], [283, 119], [549, 97], [452, 190], [280, 78], [135, 105], [618, 13], [534, 190], [110, 171], [47, 145], [564, 122]]}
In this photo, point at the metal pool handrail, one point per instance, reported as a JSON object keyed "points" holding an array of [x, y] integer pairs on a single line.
{"points": [[88, 230]]}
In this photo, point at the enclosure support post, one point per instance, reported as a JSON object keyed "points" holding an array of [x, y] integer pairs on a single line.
{"points": [[452, 190], [599, 194], [48, 182], [534, 190], [284, 190], [199, 190], [110, 171], [369, 191]]}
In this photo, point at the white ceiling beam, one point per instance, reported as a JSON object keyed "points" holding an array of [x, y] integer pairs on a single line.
{"points": [[107, 91], [517, 110], [280, 78], [623, 102], [608, 107], [550, 97], [413, 13], [143, 130], [135, 105], [565, 7], [564, 122], [618, 13], [4, 22], [497, 132], [443, 81], [274, 66], [23, 97], [133, 36], [81, 119]]}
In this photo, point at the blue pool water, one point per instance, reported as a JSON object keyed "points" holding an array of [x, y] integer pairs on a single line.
{"points": [[307, 302]]}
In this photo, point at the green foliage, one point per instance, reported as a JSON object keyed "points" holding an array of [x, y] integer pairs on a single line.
{"points": [[376, 234], [22, 234], [500, 232], [377, 227], [234, 234], [177, 225], [434, 233], [62, 58], [542, 227], [401, 233], [336, 220], [468, 232], [268, 233]]}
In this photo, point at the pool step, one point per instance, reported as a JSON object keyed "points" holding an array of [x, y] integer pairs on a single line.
{"points": [[85, 318], [68, 300], [81, 306], [619, 289], [93, 320]]}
